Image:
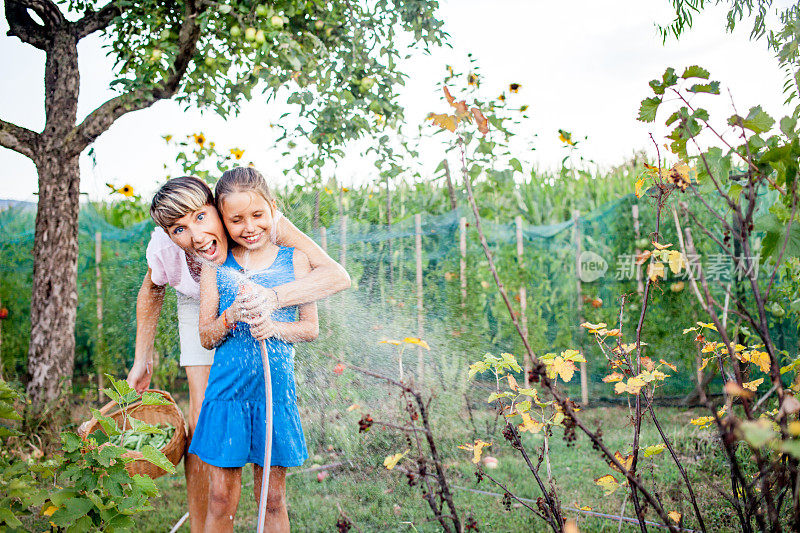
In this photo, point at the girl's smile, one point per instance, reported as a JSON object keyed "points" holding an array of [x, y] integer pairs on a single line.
{"points": [[249, 218]]}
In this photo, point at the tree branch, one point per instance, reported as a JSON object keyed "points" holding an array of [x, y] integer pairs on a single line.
{"points": [[28, 30], [96, 20], [104, 116], [17, 138]]}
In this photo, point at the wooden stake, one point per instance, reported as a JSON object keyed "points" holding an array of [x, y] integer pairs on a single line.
{"points": [[636, 233], [462, 232], [523, 300], [98, 254], [420, 307], [323, 238], [576, 235], [450, 189], [343, 243]]}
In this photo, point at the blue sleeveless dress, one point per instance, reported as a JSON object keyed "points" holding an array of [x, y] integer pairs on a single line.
{"points": [[231, 428]]}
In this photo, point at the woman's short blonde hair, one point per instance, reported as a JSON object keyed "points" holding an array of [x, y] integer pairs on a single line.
{"points": [[177, 198]]}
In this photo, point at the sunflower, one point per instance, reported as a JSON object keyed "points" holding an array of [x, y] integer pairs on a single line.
{"points": [[167, 138], [199, 138], [514, 87], [523, 108], [237, 153], [126, 190], [472, 79], [502, 97]]}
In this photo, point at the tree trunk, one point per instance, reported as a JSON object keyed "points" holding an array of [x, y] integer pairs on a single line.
{"points": [[54, 299]]}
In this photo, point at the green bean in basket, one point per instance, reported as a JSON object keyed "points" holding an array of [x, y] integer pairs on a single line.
{"points": [[134, 440]]}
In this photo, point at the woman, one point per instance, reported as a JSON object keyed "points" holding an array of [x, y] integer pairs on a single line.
{"points": [[189, 232]]}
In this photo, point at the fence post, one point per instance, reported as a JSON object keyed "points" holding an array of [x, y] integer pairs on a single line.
{"points": [[523, 300], [576, 234], [420, 307], [98, 254], [462, 231], [343, 244], [323, 238], [636, 233]]}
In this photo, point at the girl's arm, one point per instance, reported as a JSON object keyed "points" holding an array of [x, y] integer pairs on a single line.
{"points": [[213, 328], [306, 327]]}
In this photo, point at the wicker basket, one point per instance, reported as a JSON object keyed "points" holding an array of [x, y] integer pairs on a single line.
{"points": [[151, 414]]}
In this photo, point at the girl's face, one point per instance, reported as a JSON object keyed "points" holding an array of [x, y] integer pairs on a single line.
{"points": [[201, 232], [248, 218]]}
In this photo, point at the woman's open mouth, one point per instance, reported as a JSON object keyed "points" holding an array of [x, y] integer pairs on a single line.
{"points": [[209, 251]]}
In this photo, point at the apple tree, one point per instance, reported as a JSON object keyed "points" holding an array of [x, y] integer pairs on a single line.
{"points": [[339, 59]]}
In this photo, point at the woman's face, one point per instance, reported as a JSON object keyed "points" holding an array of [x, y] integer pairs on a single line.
{"points": [[201, 233]]}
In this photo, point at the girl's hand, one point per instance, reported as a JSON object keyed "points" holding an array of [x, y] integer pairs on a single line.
{"points": [[263, 328]]}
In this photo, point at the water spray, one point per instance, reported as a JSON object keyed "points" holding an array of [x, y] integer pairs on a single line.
{"points": [[262, 505]]}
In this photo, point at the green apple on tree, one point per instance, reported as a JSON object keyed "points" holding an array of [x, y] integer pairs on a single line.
{"points": [[277, 21], [250, 34], [260, 37], [261, 10], [236, 31]]}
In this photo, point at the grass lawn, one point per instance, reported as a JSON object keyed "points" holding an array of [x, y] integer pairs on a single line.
{"points": [[376, 499]]}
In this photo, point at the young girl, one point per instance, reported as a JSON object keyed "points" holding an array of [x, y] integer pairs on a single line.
{"points": [[231, 429]]}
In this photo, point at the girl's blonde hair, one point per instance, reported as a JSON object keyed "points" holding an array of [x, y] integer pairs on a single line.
{"points": [[177, 198], [242, 179]]}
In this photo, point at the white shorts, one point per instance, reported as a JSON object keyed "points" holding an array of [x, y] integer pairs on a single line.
{"points": [[192, 352]]}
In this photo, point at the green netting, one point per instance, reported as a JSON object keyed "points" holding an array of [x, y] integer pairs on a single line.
{"points": [[382, 262]]}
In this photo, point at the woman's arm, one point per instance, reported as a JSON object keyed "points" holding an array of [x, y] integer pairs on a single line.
{"points": [[148, 308], [213, 328], [325, 277]]}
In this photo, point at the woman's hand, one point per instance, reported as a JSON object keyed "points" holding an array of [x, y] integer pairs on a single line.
{"points": [[140, 375], [258, 300], [262, 328]]}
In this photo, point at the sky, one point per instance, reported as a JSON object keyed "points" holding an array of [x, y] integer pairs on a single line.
{"points": [[583, 66]]}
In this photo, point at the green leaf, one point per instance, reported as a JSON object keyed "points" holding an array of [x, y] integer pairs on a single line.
{"points": [[792, 447], [108, 424], [653, 450], [108, 453], [72, 509], [59, 497], [70, 441], [647, 111], [146, 485], [695, 72], [515, 164], [788, 125], [775, 235], [757, 120], [497, 395], [8, 412], [6, 432], [669, 78], [711, 88], [157, 458], [8, 517], [82, 524]]}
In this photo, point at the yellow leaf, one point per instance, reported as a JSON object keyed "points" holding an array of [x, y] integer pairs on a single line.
{"points": [[703, 422], [418, 342], [625, 460], [573, 355], [760, 359], [613, 377], [687, 330], [354, 407], [753, 385], [529, 424], [661, 246], [586, 508], [633, 386], [559, 367], [656, 270], [608, 483], [444, 121], [639, 185], [709, 325], [50, 510], [512, 382], [593, 328], [676, 261], [733, 389], [391, 341], [675, 516], [476, 449], [391, 461], [670, 365], [653, 450], [705, 362]]}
